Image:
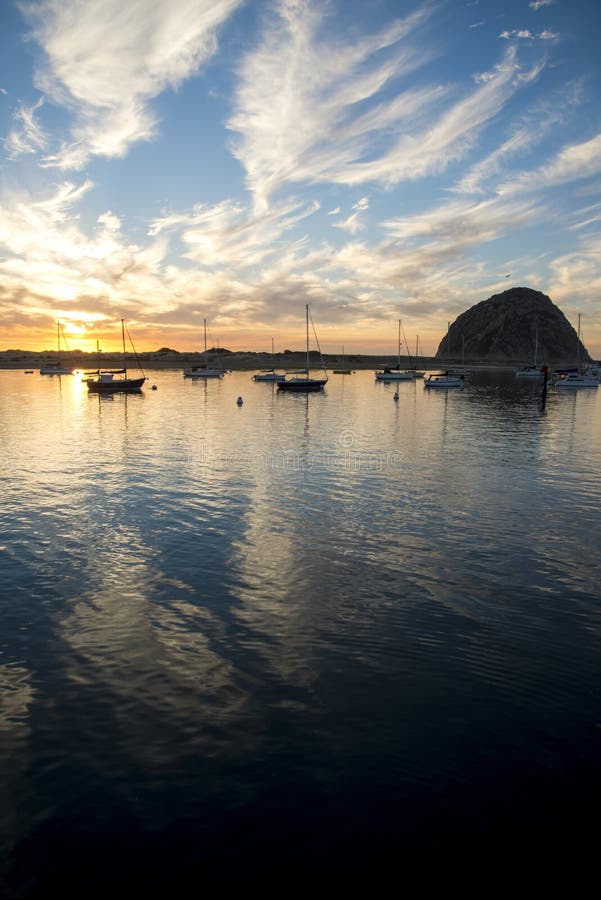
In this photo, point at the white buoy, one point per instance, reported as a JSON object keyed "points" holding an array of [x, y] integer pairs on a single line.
{"points": [[239, 401]]}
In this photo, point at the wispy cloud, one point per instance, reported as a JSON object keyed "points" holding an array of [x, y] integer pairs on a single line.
{"points": [[461, 224], [27, 136], [330, 123], [529, 131], [307, 105], [572, 163], [227, 236], [535, 5], [353, 223], [107, 61]]}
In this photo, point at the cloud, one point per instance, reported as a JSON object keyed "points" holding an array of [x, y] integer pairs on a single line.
{"points": [[531, 129], [572, 163], [306, 105], [106, 62], [353, 223], [576, 279], [227, 235], [353, 132], [535, 5], [461, 224], [524, 34], [27, 136], [50, 257]]}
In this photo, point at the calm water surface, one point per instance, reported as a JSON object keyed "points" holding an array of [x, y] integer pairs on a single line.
{"points": [[307, 636]]}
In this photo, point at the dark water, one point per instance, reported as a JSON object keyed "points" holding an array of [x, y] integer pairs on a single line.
{"points": [[336, 636]]}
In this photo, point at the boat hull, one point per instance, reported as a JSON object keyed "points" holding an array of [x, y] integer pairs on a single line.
{"points": [[302, 385], [443, 381], [578, 382], [55, 370], [207, 373], [118, 386], [529, 373], [394, 376]]}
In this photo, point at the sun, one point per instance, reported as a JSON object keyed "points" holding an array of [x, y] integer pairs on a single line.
{"points": [[75, 329]]}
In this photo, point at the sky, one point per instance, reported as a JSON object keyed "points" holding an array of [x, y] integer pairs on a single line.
{"points": [[175, 161]]}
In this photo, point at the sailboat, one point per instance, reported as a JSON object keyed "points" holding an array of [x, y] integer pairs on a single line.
{"points": [[396, 374], [533, 371], [56, 367], [577, 378], [343, 369], [269, 375], [106, 382], [203, 371], [301, 381], [417, 373], [444, 380]]}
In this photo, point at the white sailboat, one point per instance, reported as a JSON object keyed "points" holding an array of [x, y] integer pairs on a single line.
{"points": [[396, 374], [55, 367], [203, 371], [444, 380], [533, 371], [589, 378]]}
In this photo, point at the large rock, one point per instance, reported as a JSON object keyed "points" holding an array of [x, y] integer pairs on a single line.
{"points": [[507, 327]]}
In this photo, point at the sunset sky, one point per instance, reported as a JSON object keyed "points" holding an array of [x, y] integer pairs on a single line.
{"points": [[167, 161]]}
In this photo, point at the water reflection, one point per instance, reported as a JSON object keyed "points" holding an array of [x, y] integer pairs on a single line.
{"points": [[234, 609]]}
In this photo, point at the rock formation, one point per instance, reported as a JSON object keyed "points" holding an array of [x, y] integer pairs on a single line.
{"points": [[509, 327]]}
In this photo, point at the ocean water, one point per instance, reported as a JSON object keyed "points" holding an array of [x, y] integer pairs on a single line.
{"points": [[308, 637]]}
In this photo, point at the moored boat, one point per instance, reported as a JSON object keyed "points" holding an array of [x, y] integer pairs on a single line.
{"points": [[56, 367], [576, 380], [530, 372], [270, 375], [301, 382], [577, 376], [204, 370], [444, 380], [105, 381], [343, 370], [395, 373], [535, 370]]}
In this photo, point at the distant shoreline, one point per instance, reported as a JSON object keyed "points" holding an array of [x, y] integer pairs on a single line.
{"points": [[236, 361]]}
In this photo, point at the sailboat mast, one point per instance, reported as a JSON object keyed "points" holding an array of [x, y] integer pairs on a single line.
{"points": [[399, 352], [58, 335], [123, 345], [578, 344], [307, 318]]}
